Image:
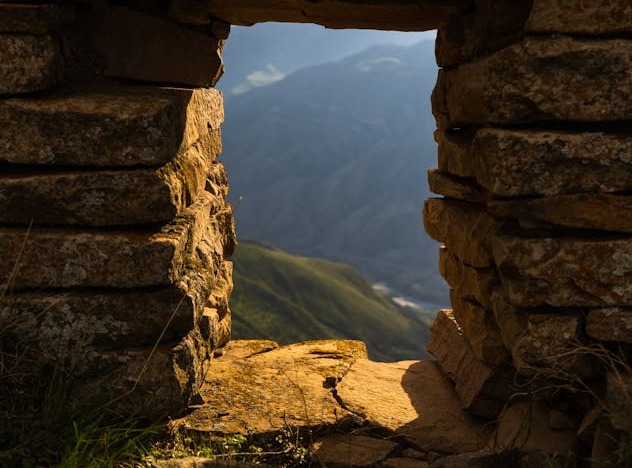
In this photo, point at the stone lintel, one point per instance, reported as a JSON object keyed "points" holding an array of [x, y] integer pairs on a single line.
{"points": [[110, 127], [402, 15]]}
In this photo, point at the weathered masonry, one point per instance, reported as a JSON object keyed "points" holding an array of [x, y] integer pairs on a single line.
{"points": [[114, 230]]}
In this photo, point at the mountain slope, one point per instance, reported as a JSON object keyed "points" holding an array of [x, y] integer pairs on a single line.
{"points": [[289, 299], [331, 162]]}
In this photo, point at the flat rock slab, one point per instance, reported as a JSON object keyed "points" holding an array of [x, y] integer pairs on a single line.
{"points": [[28, 63], [111, 127], [565, 272], [413, 399], [45, 258], [264, 391], [610, 324]]}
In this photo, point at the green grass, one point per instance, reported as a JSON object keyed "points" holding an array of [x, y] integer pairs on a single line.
{"points": [[287, 299], [44, 422]]}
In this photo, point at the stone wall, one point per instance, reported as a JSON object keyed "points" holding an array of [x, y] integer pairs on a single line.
{"points": [[535, 170], [115, 231], [114, 228]]}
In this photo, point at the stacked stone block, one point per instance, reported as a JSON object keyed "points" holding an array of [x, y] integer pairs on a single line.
{"points": [[114, 229], [535, 173]]}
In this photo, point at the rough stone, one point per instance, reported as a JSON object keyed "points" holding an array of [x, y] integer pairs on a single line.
{"points": [[455, 187], [44, 258], [111, 197], [203, 462], [593, 17], [266, 391], [480, 330], [29, 63], [454, 153], [482, 389], [525, 425], [610, 324], [551, 345], [606, 212], [399, 15], [487, 26], [512, 163], [156, 381], [347, 450], [118, 127], [465, 228], [558, 78], [137, 46], [414, 399], [33, 19], [565, 272], [470, 283], [619, 400]]}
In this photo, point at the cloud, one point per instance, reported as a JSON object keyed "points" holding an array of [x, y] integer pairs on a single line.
{"points": [[381, 62]]}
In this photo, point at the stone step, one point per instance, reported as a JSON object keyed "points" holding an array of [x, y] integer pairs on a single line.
{"points": [[56, 258], [543, 79], [110, 126], [111, 197]]}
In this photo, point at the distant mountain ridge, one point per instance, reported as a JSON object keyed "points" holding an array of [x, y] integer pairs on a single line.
{"points": [[331, 162], [290, 299]]}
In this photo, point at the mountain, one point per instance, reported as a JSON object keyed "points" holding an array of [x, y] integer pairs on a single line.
{"points": [[331, 162], [289, 299], [264, 53]]}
